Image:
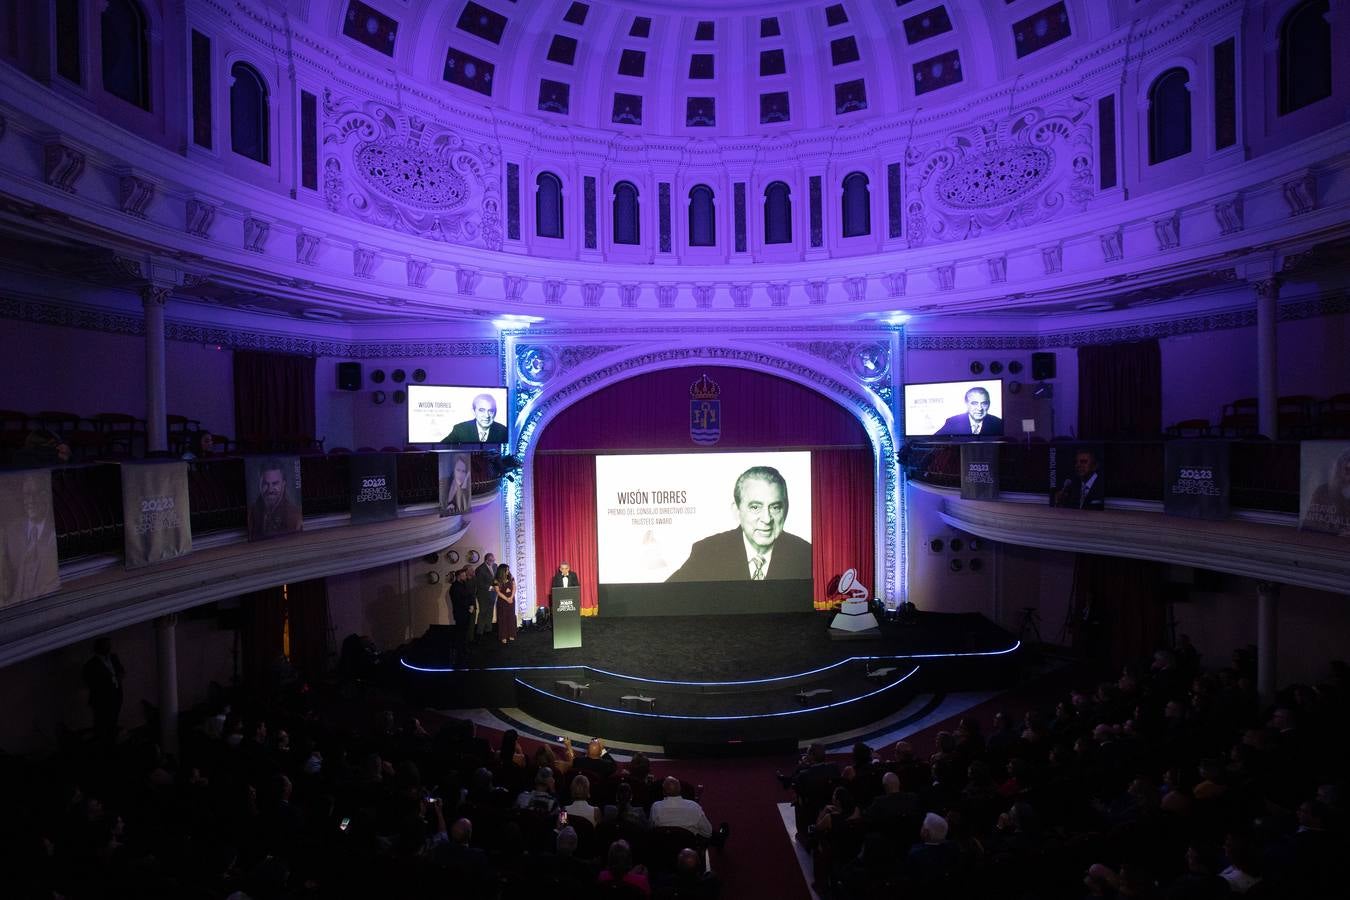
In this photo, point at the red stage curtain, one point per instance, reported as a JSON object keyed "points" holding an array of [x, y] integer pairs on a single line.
{"points": [[1120, 390], [1120, 607], [842, 514], [273, 400], [260, 634], [564, 523], [651, 412]]}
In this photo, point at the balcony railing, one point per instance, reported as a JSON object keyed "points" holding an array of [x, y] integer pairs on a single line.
{"points": [[1264, 475]]}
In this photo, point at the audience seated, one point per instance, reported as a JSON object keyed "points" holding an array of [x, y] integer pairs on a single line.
{"points": [[674, 811]]}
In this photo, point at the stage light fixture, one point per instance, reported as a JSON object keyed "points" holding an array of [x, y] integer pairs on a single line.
{"points": [[937, 545], [956, 544], [433, 578], [976, 367], [995, 367], [955, 565], [1014, 367], [975, 565]]}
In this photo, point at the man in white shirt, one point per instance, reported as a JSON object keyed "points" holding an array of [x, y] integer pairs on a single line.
{"points": [[677, 812]]}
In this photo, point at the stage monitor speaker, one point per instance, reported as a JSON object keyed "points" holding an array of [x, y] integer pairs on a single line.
{"points": [[1042, 366], [349, 376]]}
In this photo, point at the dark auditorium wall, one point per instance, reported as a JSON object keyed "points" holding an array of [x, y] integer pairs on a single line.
{"points": [[45, 693]]}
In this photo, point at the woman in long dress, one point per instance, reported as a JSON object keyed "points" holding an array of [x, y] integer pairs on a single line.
{"points": [[505, 587]]}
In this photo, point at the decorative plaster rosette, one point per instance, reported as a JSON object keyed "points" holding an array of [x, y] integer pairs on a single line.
{"points": [[1000, 175], [397, 170]]}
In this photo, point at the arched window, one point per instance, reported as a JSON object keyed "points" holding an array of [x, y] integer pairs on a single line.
{"points": [[702, 228], [548, 206], [626, 229], [248, 112], [1169, 116], [778, 213], [857, 205], [126, 52], [1305, 56]]}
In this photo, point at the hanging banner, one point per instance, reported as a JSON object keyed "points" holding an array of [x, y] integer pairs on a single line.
{"points": [[374, 487], [1195, 479], [1076, 477], [272, 488], [456, 483], [28, 556], [979, 471], [1324, 487], [155, 512]]}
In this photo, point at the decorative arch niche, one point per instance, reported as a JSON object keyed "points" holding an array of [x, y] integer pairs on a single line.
{"points": [[548, 373]]}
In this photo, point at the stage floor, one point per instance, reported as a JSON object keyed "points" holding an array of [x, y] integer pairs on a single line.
{"points": [[706, 684], [723, 648]]}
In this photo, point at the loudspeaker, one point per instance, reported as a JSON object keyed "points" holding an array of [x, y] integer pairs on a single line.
{"points": [[1042, 366], [349, 376]]}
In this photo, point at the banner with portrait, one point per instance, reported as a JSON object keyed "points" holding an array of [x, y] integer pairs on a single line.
{"points": [[28, 527], [979, 471], [1076, 477], [155, 511], [1324, 487], [272, 490], [456, 483], [374, 487], [1195, 479]]}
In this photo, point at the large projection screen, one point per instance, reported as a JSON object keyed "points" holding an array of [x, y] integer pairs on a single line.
{"points": [[673, 541]]}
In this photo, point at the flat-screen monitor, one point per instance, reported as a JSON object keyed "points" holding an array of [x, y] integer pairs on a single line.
{"points": [[700, 533], [457, 414], [953, 409]]}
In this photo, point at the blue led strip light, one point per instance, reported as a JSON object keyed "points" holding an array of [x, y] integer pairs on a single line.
{"points": [[620, 675], [774, 715]]}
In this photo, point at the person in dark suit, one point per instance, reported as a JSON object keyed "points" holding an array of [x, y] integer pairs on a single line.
{"points": [[487, 597], [976, 418], [103, 675], [1084, 489], [759, 550], [463, 605], [481, 429]]}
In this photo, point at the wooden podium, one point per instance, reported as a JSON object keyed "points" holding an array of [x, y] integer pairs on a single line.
{"points": [[566, 618]]}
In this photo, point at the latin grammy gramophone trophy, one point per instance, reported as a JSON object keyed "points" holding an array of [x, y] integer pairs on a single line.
{"points": [[854, 619]]}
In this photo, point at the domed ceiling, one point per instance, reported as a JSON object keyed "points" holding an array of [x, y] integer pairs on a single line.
{"points": [[704, 67]]}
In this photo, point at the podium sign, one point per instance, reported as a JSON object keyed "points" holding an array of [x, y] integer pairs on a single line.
{"points": [[566, 618]]}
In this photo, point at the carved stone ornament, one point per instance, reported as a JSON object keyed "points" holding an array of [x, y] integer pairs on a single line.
{"points": [[665, 295], [536, 364], [364, 260], [944, 277], [856, 288], [62, 166], [200, 215], [418, 271], [703, 296], [998, 269], [870, 363], [591, 292], [255, 234], [466, 280], [1300, 193], [740, 296], [1000, 175], [895, 284], [1167, 230], [397, 170], [1113, 248], [1228, 213], [515, 287], [134, 194], [307, 245], [553, 290], [817, 291], [778, 294], [1052, 258]]}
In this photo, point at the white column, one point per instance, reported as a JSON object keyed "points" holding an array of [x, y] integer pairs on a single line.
{"points": [[156, 427], [1267, 312], [166, 646], [1267, 637]]}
